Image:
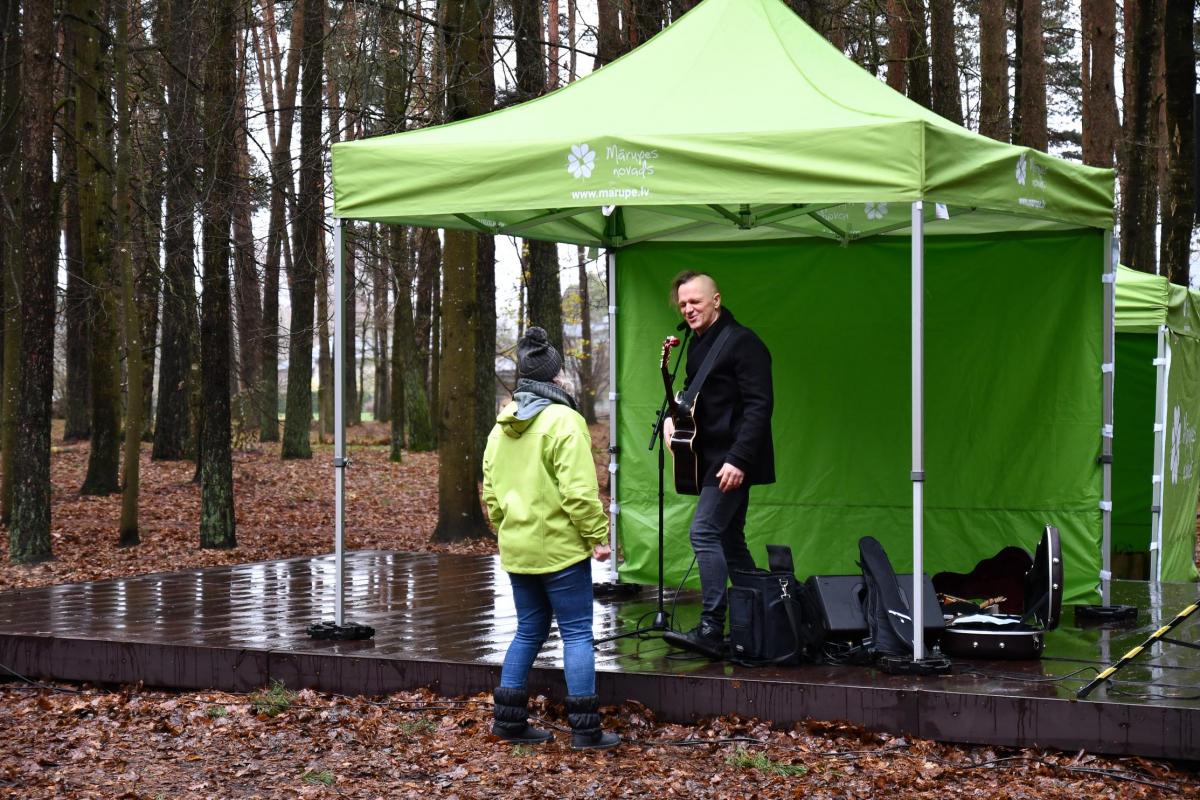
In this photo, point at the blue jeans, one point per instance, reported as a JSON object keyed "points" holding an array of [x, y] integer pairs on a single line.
{"points": [[718, 536], [567, 595]]}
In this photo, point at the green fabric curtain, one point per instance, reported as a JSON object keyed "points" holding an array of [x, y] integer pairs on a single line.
{"points": [[1133, 440], [1013, 393]]}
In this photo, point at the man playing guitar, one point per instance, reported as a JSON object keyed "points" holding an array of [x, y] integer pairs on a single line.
{"points": [[732, 443]]}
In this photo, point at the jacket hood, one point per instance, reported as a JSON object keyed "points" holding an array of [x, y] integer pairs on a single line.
{"points": [[518, 415]]}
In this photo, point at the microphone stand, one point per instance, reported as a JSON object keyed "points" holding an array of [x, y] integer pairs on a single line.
{"points": [[661, 617]]}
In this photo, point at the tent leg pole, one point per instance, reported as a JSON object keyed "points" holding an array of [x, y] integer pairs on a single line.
{"points": [[339, 416], [614, 507], [917, 595], [1160, 429], [1106, 448]]}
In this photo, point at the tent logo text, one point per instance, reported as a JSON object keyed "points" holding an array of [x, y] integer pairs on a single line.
{"points": [[580, 161], [631, 162]]}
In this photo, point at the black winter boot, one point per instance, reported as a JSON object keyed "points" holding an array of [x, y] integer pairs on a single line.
{"points": [[512, 718], [583, 712]]}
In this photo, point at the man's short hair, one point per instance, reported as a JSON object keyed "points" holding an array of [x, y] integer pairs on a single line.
{"points": [[687, 276]]}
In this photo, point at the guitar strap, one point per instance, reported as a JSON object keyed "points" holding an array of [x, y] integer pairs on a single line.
{"points": [[689, 397]]}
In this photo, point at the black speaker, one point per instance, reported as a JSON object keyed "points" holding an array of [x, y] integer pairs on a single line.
{"points": [[834, 608]]}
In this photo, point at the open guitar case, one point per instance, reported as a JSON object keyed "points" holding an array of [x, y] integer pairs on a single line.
{"points": [[1020, 634]]}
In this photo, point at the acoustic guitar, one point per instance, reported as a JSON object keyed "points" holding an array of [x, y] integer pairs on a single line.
{"points": [[686, 465]]}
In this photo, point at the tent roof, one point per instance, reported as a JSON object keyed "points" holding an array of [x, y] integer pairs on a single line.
{"points": [[1144, 302], [739, 121]]}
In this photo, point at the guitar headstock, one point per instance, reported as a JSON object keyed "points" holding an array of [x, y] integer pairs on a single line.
{"points": [[668, 343]]}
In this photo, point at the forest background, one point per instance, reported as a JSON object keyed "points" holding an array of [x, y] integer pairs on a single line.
{"points": [[167, 251]]}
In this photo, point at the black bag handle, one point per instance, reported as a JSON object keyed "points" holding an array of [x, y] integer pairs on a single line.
{"points": [[689, 396]]}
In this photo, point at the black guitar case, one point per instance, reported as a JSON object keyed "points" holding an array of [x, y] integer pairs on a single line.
{"points": [[1011, 636]]}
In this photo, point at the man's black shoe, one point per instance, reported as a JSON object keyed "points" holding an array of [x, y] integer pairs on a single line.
{"points": [[705, 639]]}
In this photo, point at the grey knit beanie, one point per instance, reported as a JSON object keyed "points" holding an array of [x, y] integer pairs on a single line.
{"points": [[536, 357]]}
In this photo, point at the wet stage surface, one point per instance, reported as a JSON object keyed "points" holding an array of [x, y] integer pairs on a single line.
{"points": [[445, 622]]}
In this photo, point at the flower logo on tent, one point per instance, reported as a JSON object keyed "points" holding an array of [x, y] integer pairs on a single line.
{"points": [[1022, 165], [875, 210], [580, 161]]}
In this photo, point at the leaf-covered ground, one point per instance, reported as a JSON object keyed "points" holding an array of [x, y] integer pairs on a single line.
{"points": [[142, 744]]}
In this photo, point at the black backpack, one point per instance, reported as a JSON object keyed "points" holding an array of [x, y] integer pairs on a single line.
{"points": [[765, 612]]}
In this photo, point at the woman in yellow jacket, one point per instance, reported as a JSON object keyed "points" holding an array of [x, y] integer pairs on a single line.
{"points": [[539, 483]]}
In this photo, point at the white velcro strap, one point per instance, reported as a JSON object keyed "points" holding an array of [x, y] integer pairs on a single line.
{"points": [[1105, 575], [614, 508], [1107, 431], [613, 467], [940, 211], [1159, 427], [1106, 367], [1106, 505], [1154, 545], [1156, 478], [613, 309], [614, 395], [1108, 277], [1158, 362]]}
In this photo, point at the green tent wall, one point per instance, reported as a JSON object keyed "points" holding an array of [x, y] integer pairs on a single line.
{"points": [[740, 141], [1156, 429]]}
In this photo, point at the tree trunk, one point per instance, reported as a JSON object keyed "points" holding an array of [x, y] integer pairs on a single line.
{"points": [[527, 32], [29, 533], [609, 41], [1179, 199], [587, 349], [147, 244], [217, 527], [95, 211], [381, 408], [485, 346], [352, 404], [248, 292], [173, 421], [485, 264], [545, 292], [1033, 131], [552, 24], [1100, 120], [435, 349], [402, 336], [459, 513], [429, 256], [918, 55], [946, 98], [77, 310], [10, 246], [309, 236], [1138, 205], [993, 68], [897, 44], [325, 350], [128, 534], [281, 187]]}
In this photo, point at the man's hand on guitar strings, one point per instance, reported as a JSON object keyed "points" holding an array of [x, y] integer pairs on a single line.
{"points": [[668, 427], [730, 476]]}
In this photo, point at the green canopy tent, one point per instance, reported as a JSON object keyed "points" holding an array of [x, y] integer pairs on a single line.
{"points": [[1156, 474], [739, 141]]}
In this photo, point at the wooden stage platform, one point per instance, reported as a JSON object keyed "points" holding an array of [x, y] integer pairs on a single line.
{"points": [[445, 621]]}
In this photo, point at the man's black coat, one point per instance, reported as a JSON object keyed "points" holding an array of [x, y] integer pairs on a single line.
{"points": [[733, 411]]}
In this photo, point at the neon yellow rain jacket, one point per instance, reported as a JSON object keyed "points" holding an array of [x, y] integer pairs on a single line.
{"points": [[539, 483]]}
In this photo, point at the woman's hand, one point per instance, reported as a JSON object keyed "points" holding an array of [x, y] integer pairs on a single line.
{"points": [[601, 552]]}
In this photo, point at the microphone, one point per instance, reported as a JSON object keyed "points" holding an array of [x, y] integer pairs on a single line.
{"points": [[681, 325]]}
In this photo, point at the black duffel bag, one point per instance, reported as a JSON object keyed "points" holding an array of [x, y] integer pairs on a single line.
{"points": [[765, 612]]}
